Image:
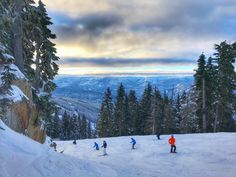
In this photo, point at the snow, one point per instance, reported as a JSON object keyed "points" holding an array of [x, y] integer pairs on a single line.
{"points": [[23, 157], [17, 72], [8, 57], [16, 95], [199, 155]]}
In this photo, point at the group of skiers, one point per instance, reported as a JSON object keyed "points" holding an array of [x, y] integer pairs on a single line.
{"points": [[133, 143]]}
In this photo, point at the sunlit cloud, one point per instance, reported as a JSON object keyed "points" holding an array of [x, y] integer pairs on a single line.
{"points": [[140, 29]]}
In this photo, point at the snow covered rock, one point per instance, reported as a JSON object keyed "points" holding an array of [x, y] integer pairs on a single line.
{"points": [[21, 112]]}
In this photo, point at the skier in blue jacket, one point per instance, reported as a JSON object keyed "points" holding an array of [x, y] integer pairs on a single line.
{"points": [[133, 142], [96, 146]]}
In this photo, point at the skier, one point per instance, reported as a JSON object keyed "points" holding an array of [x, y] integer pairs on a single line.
{"points": [[158, 135], [104, 146], [172, 143], [133, 142], [2, 128], [96, 146], [74, 142], [54, 145]]}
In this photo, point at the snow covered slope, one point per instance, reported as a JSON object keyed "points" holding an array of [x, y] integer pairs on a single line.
{"points": [[22, 157], [199, 155]]}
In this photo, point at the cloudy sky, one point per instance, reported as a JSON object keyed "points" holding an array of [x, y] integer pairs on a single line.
{"points": [[138, 36]]}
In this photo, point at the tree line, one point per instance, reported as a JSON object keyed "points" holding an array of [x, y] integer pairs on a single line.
{"points": [[26, 41], [208, 106], [67, 127]]}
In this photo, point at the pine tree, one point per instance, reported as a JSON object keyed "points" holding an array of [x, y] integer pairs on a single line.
{"points": [[30, 33], [157, 112], [65, 127], [6, 58], [189, 120], [45, 57], [78, 127], [84, 127], [73, 128], [225, 56], [211, 92], [133, 113], [127, 118], [89, 130], [168, 116], [145, 111], [200, 83], [46, 68], [178, 117], [53, 126], [105, 119], [119, 113]]}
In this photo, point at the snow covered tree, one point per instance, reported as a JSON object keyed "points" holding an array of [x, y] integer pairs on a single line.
{"points": [[6, 58], [178, 117], [105, 118], [189, 122]]}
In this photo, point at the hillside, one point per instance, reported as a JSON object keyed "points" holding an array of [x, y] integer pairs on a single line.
{"points": [[205, 155], [75, 106], [92, 88]]}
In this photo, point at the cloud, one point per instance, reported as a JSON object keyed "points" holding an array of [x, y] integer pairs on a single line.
{"points": [[140, 29], [91, 25], [118, 62]]}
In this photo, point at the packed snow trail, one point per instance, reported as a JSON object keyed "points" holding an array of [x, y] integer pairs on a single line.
{"points": [[198, 155]]}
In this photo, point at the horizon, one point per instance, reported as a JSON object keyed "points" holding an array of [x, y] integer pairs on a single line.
{"points": [[128, 75]]}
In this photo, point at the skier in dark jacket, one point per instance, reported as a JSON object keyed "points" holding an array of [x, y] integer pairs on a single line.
{"points": [[96, 146], [158, 135], [54, 145], [133, 142], [74, 142], [104, 146]]}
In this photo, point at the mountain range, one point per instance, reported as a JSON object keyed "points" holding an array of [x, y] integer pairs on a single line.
{"points": [[83, 94]]}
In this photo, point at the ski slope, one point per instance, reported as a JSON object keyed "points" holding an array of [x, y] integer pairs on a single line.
{"points": [[199, 155]]}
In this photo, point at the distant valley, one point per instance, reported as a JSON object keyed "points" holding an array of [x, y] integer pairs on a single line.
{"points": [[83, 94]]}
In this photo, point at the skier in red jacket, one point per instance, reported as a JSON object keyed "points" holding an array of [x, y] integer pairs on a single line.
{"points": [[172, 143]]}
